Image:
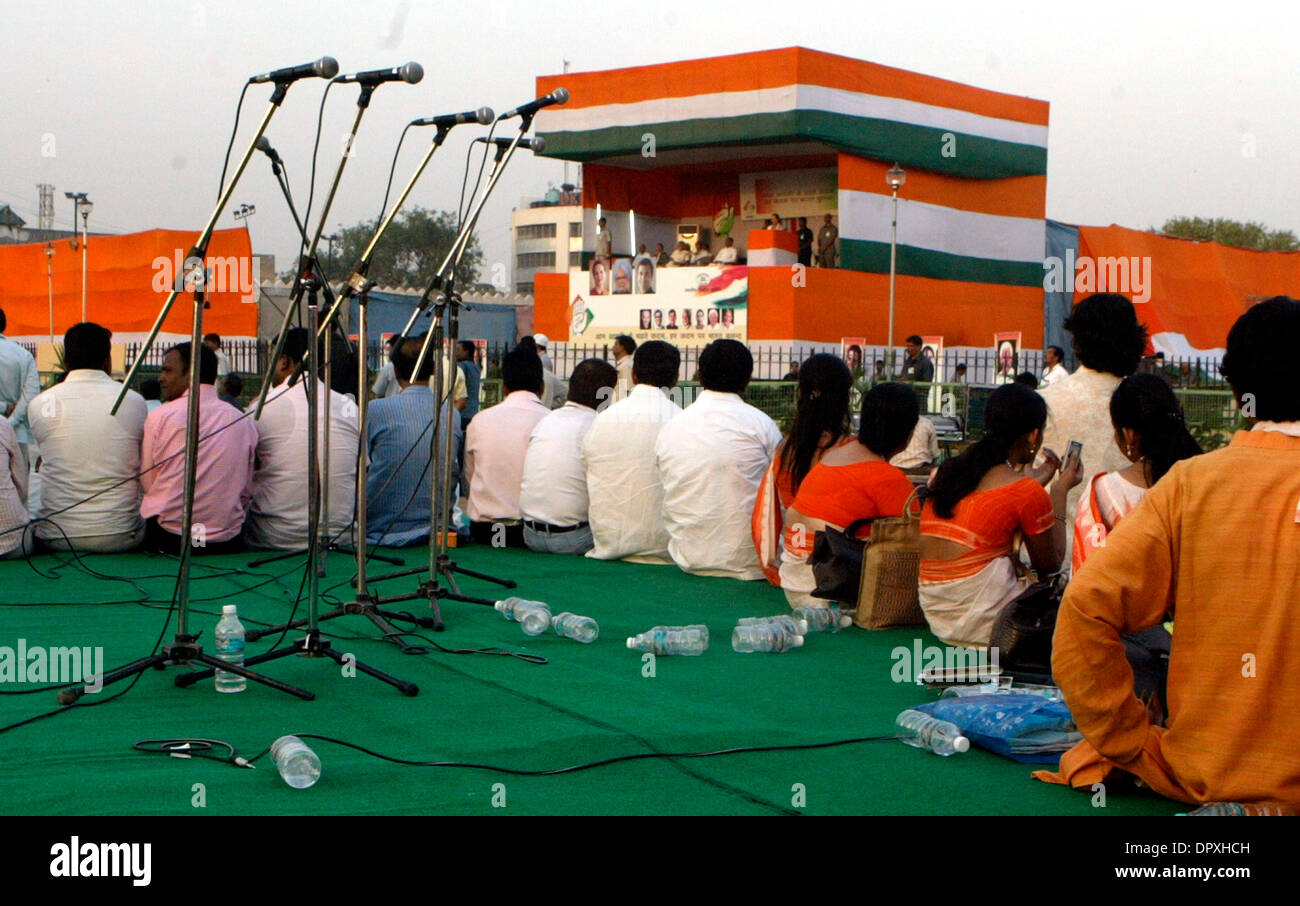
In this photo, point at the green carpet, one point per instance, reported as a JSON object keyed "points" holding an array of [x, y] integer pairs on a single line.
{"points": [[588, 702]]}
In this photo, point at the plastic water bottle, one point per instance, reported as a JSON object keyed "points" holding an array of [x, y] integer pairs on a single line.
{"points": [[533, 616], [230, 648], [752, 637], [1239, 809], [572, 626], [790, 624], [916, 728], [824, 619], [297, 764], [689, 640]]}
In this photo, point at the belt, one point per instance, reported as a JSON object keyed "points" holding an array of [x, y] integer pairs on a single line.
{"points": [[553, 529]]}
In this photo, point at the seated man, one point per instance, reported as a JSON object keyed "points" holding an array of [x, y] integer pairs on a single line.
{"points": [[278, 513], [727, 254], [495, 446], [90, 459], [702, 254], [13, 494], [1215, 543], [711, 461], [626, 498], [224, 480], [553, 493], [681, 255], [399, 499], [922, 450]]}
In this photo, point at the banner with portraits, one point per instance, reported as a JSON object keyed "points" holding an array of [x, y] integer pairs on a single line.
{"points": [[684, 305]]}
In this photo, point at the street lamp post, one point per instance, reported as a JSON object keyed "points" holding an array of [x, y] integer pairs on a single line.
{"points": [[86, 208], [49, 273], [895, 179]]}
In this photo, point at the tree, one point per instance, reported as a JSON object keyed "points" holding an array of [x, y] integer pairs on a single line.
{"points": [[409, 253], [1251, 235]]}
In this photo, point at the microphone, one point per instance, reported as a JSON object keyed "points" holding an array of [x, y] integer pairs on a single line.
{"points": [[558, 96], [536, 144], [264, 145], [411, 73], [483, 116], [325, 68]]}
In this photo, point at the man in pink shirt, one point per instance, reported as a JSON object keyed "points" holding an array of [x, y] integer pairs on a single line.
{"points": [[227, 443], [495, 444]]}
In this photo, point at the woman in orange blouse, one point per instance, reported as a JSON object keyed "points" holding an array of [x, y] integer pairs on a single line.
{"points": [[978, 501], [821, 421], [853, 481]]}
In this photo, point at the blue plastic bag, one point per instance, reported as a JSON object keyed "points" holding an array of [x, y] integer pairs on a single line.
{"points": [[1023, 727]]}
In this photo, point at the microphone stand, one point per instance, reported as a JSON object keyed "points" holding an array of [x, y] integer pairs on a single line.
{"points": [[185, 648], [448, 306], [312, 644], [359, 286]]}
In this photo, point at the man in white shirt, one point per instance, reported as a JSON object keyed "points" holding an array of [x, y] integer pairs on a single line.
{"points": [[495, 445], [90, 459], [553, 493], [727, 254], [604, 241], [702, 254], [624, 346], [1053, 367], [542, 341], [277, 514], [213, 342], [711, 461], [19, 384], [385, 384], [626, 497], [922, 448], [1108, 342]]}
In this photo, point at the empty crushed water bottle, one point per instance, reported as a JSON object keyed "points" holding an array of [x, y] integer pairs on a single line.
{"points": [[1242, 809], [687, 640], [919, 729], [533, 616], [576, 627], [297, 764], [750, 637], [792, 625], [823, 619]]}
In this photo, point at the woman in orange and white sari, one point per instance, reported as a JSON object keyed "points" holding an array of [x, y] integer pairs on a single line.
{"points": [[1151, 432], [821, 422], [853, 481], [978, 502]]}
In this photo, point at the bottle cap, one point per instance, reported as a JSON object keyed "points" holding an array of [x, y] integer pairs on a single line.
{"points": [[802, 626], [961, 744], [228, 608], [796, 641], [500, 606], [845, 621]]}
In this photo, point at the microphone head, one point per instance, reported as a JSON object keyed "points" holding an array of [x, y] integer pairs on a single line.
{"points": [[412, 72], [485, 116], [561, 95], [326, 67], [537, 143], [263, 144]]}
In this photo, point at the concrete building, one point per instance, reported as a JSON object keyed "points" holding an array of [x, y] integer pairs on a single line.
{"points": [[546, 236]]}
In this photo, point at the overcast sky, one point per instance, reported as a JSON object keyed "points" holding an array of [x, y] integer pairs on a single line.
{"points": [[1184, 108]]}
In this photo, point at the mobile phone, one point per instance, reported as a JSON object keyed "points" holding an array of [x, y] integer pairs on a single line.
{"points": [[1075, 449]]}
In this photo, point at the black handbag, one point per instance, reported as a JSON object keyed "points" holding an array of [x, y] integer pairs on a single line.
{"points": [[1021, 640], [836, 563]]}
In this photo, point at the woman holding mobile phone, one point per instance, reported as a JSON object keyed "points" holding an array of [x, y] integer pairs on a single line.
{"points": [[1152, 435]]}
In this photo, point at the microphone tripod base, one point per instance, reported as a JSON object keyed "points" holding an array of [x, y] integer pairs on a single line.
{"points": [[312, 645], [332, 548], [183, 651], [433, 591], [365, 606]]}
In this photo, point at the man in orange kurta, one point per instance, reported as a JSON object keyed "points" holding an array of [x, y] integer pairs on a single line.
{"points": [[1216, 543]]}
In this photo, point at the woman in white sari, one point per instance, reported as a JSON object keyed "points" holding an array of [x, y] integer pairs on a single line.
{"points": [[1152, 435]]}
